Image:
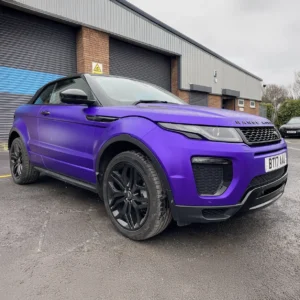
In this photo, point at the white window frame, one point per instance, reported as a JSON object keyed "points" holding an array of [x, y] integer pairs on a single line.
{"points": [[252, 104], [241, 104]]}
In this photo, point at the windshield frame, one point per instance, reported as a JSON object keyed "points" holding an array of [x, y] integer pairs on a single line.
{"points": [[106, 100]]}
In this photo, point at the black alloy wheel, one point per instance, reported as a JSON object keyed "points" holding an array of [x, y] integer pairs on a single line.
{"points": [[16, 161], [22, 171], [135, 197], [128, 196]]}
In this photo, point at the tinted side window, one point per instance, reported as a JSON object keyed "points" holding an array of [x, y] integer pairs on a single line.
{"points": [[75, 83], [45, 95]]}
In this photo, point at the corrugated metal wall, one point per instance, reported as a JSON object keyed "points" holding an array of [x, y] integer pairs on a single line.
{"points": [[197, 65], [33, 51], [135, 62]]}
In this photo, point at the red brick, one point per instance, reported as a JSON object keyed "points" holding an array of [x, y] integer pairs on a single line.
{"points": [[92, 46], [215, 101]]}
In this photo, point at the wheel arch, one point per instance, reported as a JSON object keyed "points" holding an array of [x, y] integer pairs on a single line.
{"points": [[123, 143], [14, 133]]}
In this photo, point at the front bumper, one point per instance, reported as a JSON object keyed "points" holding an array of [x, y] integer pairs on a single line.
{"points": [[256, 198], [287, 132], [175, 153]]}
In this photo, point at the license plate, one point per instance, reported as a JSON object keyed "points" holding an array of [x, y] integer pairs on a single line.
{"points": [[275, 162], [293, 131]]}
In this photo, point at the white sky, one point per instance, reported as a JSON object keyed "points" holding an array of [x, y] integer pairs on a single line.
{"points": [[262, 36]]}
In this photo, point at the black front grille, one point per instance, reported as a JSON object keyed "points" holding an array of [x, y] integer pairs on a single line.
{"points": [[267, 178], [260, 135], [212, 179]]}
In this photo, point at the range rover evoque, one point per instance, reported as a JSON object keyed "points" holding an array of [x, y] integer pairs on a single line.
{"points": [[150, 156]]}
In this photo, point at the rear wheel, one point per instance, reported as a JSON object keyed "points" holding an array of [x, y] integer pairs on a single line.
{"points": [[22, 170], [133, 196]]}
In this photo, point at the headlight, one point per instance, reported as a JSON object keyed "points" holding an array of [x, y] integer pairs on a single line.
{"points": [[220, 134]]}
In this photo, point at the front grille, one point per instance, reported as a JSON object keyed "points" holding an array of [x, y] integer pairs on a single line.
{"points": [[267, 178], [260, 135], [212, 179]]}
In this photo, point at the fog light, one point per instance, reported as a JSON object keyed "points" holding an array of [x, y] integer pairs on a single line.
{"points": [[212, 175]]}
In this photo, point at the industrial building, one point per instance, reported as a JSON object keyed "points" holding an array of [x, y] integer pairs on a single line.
{"points": [[43, 40]]}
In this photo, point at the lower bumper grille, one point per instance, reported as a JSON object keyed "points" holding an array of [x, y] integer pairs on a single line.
{"points": [[214, 213], [267, 178], [212, 179]]}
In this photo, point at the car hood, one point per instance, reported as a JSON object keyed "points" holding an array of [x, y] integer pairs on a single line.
{"points": [[185, 114], [291, 126]]}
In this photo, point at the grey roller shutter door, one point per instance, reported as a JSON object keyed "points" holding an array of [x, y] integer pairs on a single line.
{"points": [[136, 62], [33, 51], [198, 98]]}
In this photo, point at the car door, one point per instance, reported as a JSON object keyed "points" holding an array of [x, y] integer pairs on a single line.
{"points": [[30, 117], [66, 136]]}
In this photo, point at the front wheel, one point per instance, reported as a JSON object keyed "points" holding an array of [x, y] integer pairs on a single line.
{"points": [[134, 197], [21, 168]]}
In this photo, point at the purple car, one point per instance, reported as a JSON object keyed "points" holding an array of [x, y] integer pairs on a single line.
{"points": [[150, 156]]}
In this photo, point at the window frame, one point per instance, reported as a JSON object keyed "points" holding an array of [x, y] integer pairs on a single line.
{"points": [[252, 106], [41, 90], [241, 105]]}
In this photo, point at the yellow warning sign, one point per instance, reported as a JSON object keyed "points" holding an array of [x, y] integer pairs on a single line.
{"points": [[97, 68]]}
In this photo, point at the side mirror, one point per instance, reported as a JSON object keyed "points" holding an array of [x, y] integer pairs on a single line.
{"points": [[75, 96]]}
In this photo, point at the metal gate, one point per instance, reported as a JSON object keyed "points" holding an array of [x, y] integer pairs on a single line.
{"points": [[198, 98], [135, 62], [33, 51]]}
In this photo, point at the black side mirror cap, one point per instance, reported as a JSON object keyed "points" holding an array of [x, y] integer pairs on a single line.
{"points": [[75, 96]]}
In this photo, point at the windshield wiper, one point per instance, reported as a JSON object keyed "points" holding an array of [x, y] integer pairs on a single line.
{"points": [[150, 101]]}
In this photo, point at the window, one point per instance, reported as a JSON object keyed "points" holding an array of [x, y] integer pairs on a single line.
{"points": [[45, 95], [122, 91], [241, 103], [73, 83], [252, 104]]}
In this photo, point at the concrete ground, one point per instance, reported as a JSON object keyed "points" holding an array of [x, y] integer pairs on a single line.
{"points": [[56, 242]]}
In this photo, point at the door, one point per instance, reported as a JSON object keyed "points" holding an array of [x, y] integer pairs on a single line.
{"points": [[66, 136], [31, 113], [139, 63], [198, 98], [228, 103]]}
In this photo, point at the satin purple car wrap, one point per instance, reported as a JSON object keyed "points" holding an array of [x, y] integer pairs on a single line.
{"points": [[68, 142]]}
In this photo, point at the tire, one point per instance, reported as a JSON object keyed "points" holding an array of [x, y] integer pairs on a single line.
{"points": [[158, 215], [21, 169]]}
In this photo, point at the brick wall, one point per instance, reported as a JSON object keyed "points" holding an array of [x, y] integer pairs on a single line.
{"points": [[92, 46], [248, 109], [214, 101], [184, 95]]}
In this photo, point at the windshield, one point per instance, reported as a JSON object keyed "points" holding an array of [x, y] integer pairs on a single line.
{"points": [[122, 91], [294, 121]]}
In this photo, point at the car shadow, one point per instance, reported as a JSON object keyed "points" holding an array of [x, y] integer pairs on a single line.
{"points": [[236, 230]]}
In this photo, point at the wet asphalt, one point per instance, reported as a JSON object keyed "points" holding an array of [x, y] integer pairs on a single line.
{"points": [[56, 242]]}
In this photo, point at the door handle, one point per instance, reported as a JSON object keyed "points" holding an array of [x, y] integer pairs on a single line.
{"points": [[45, 113]]}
